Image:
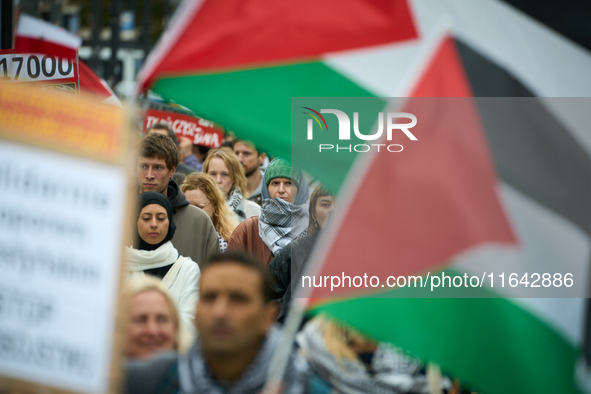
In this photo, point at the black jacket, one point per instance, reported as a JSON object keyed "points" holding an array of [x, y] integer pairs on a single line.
{"points": [[288, 263]]}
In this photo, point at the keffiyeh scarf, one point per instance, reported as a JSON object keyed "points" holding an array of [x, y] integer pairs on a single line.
{"points": [[195, 376], [393, 371], [235, 202], [280, 222]]}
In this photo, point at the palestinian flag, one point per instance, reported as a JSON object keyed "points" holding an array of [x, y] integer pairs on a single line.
{"points": [[511, 194], [253, 56], [459, 208]]}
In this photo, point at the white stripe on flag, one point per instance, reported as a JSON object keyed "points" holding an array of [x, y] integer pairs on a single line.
{"points": [[391, 70], [548, 243], [546, 62], [378, 69], [41, 30]]}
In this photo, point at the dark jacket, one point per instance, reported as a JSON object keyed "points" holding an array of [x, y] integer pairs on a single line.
{"points": [[288, 263]]}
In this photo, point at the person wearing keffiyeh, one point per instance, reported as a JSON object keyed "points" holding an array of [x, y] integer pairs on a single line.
{"points": [[283, 217], [237, 339], [345, 361]]}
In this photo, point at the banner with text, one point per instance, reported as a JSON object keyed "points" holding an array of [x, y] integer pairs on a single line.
{"points": [[63, 190], [200, 131]]}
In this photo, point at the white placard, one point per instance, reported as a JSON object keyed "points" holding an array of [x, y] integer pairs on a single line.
{"points": [[35, 67], [60, 249]]}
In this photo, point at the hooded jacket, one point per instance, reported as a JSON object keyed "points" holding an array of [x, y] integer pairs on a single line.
{"points": [[195, 236]]}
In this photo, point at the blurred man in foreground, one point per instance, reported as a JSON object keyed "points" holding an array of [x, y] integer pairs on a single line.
{"points": [[237, 337]]}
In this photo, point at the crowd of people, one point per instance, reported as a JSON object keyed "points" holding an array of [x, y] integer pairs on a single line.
{"points": [[209, 276]]}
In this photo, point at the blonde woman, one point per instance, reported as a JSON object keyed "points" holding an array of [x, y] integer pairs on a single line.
{"points": [[223, 166], [153, 321], [346, 361], [202, 192]]}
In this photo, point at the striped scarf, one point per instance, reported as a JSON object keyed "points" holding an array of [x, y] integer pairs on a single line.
{"points": [[393, 372], [236, 204], [196, 377], [280, 222]]}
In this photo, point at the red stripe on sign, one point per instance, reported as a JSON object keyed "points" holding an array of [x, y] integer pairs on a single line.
{"points": [[413, 210], [33, 45], [238, 33]]}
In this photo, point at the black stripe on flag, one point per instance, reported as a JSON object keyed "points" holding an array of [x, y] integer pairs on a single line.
{"points": [[569, 18], [533, 152]]}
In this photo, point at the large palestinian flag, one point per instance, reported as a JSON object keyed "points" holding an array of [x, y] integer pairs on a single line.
{"points": [[511, 194], [252, 57]]}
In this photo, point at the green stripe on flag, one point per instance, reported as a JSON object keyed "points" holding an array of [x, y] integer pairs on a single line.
{"points": [[256, 103], [490, 341]]}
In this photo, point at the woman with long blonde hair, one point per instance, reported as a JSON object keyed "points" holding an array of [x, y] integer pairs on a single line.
{"points": [[202, 192], [345, 361], [223, 166]]}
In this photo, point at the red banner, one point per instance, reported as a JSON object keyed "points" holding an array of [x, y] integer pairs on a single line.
{"points": [[200, 131]]}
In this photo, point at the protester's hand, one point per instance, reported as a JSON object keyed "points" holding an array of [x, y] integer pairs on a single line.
{"points": [[185, 147]]}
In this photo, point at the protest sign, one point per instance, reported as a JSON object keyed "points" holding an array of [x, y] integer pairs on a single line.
{"points": [[51, 72], [199, 131], [63, 198]]}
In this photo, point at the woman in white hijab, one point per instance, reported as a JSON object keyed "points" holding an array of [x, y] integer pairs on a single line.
{"points": [[153, 253]]}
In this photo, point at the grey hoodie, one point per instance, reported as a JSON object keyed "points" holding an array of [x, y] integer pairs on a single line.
{"points": [[195, 236]]}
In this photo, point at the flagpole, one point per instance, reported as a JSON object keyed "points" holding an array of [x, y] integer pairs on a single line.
{"points": [[285, 345], [434, 379], [77, 75]]}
